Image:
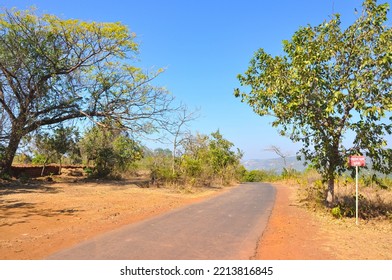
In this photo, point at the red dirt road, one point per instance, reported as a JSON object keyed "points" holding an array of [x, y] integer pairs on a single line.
{"points": [[292, 232]]}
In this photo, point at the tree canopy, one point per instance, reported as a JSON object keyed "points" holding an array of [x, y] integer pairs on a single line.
{"points": [[53, 70], [330, 82]]}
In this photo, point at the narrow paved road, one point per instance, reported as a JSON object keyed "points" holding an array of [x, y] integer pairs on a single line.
{"points": [[227, 226]]}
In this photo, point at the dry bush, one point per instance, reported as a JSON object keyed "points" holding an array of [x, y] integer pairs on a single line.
{"points": [[373, 201]]}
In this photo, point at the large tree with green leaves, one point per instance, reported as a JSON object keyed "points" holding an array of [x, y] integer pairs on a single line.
{"points": [[331, 82], [53, 70]]}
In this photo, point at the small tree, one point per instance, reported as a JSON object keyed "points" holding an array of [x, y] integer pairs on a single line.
{"points": [[221, 155], [110, 150], [178, 129], [43, 151], [62, 141], [331, 81], [206, 158], [195, 164]]}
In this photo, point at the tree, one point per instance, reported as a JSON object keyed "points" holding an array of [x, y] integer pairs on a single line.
{"points": [[53, 70], [221, 155], [209, 157], [62, 141], [110, 149], [279, 152], [330, 82], [178, 129]]}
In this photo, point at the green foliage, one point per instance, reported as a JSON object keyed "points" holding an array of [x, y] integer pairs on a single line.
{"points": [[372, 180], [220, 152], [329, 82], [159, 165], [204, 160], [39, 159], [110, 150], [336, 212], [53, 146], [193, 167], [88, 171], [22, 158], [260, 176], [210, 158], [289, 173]]}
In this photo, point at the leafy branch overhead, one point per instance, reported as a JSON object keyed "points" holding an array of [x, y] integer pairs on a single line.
{"points": [[331, 82], [53, 70]]}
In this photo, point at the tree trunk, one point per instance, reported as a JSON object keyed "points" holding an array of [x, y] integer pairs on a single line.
{"points": [[43, 168], [10, 151], [331, 192], [60, 165]]}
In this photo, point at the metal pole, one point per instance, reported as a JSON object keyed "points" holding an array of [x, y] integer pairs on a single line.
{"points": [[356, 195]]}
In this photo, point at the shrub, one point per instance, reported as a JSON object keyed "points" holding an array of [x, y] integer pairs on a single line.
{"points": [[336, 212], [260, 176]]}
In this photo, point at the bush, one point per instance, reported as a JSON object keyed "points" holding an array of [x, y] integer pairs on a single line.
{"points": [[289, 173], [313, 192], [336, 212], [369, 208], [39, 159], [260, 176], [111, 151]]}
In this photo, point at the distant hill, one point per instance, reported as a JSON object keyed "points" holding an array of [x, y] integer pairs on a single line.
{"points": [[275, 164]]}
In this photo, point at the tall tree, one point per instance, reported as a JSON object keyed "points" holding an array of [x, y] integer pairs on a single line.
{"points": [[330, 82], [53, 70]]}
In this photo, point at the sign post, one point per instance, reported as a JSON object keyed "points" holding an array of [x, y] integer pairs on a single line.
{"points": [[356, 194], [356, 161]]}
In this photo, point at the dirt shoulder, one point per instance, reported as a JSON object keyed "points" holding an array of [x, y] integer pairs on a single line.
{"points": [[38, 220], [296, 233]]}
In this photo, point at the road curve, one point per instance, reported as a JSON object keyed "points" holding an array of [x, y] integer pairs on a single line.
{"points": [[227, 226]]}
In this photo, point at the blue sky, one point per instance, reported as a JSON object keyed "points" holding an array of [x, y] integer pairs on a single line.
{"points": [[204, 45]]}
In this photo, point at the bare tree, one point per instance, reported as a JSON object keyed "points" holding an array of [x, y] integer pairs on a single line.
{"points": [[279, 152], [179, 129]]}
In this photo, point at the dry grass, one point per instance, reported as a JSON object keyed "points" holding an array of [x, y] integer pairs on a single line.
{"points": [[374, 202]]}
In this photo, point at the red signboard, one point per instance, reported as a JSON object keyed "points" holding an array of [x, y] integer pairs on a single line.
{"points": [[356, 161]]}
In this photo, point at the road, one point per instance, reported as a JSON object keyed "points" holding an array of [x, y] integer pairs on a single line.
{"points": [[227, 226]]}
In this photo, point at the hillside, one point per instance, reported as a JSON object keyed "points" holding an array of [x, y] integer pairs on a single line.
{"points": [[274, 164]]}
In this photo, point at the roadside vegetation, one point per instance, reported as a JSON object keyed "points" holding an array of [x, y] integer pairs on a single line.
{"points": [[375, 195], [375, 192], [200, 160]]}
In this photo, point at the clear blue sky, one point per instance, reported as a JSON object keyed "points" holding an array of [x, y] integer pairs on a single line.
{"points": [[204, 44]]}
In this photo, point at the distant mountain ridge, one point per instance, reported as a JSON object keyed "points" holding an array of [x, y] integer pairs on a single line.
{"points": [[274, 164], [277, 165]]}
